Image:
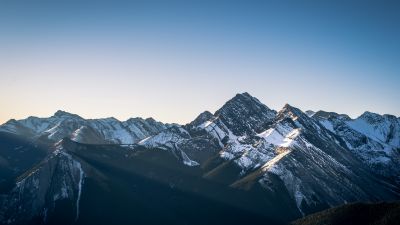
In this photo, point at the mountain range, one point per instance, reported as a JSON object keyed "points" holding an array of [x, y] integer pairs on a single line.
{"points": [[244, 163]]}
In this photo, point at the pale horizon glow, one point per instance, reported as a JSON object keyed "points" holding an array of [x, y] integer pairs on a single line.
{"points": [[173, 61]]}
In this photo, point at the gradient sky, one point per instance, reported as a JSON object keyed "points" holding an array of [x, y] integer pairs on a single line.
{"points": [[171, 60]]}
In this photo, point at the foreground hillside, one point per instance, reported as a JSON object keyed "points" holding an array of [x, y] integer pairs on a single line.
{"points": [[101, 184], [356, 214]]}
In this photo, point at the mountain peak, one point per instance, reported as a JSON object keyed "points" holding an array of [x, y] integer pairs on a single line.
{"points": [[245, 99], [310, 113], [151, 119], [203, 117], [287, 106], [371, 117], [245, 114], [245, 96], [61, 113], [327, 115], [292, 112], [369, 114], [11, 121], [290, 109]]}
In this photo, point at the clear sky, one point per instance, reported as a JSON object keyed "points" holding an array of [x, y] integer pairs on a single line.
{"points": [[171, 60]]}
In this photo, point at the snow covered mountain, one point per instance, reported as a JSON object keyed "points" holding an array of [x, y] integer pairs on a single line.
{"points": [[373, 138], [317, 166], [95, 131], [314, 166], [287, 161]]}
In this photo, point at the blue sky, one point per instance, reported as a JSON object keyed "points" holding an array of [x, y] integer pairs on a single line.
{"points": [[174, 59]]}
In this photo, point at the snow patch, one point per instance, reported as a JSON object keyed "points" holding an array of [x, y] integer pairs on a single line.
{"points": [[328, 125], [205, 124], [81, 176], [375, 132], [77, 134], [280, 136]]}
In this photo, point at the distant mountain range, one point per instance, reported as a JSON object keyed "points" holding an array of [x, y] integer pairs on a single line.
{"points": [[243, 164]]}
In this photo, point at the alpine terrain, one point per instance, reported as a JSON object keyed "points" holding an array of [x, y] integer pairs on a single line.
{"points": [[243, 164]]}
